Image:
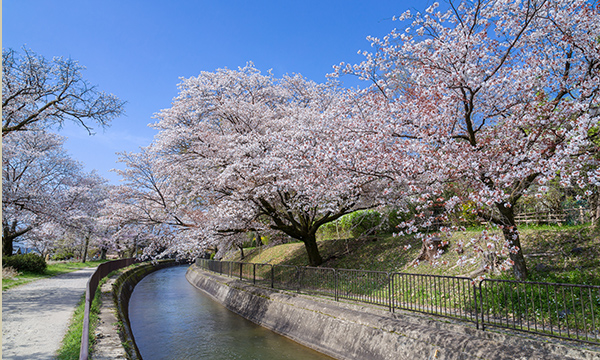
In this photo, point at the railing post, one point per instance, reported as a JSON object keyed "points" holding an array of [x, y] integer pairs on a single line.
{"points": [[479, 306], [241, 268], [254, 273], [272, 277], [335, 277], [298, 278], [390, 292]]}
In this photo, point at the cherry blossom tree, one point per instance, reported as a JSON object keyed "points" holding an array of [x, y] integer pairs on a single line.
{"points": [[37, 93], [147, 210], [44, 238], [489, 98], [82, 205], [36, 170], [44, 191], [257, 153]]}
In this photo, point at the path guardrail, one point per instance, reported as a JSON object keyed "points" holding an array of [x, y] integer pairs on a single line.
{"points": [[566, 311], [563, 311], [103, 270]]}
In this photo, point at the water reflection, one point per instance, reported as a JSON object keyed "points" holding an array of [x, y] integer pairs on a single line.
{"points": [[171, 319]]}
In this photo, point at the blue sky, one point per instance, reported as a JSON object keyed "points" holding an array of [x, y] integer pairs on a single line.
{"points": [[138, 50]]}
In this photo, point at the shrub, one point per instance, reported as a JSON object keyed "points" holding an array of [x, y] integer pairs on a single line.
{"points": [[63, 254], [25, 262], [360, 223], [333, 230]]}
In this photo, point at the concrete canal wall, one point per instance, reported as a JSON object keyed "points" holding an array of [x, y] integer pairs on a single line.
{"points": [[122, 290], [347, 331]]}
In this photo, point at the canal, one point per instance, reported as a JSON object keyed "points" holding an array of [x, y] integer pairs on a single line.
{"points": [[171, 319]]}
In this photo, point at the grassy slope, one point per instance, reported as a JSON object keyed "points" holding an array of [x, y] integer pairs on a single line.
{"points": [[554, 254]]}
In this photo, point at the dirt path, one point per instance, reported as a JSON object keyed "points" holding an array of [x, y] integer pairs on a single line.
{"points": [[35, 316], [108, 343]]}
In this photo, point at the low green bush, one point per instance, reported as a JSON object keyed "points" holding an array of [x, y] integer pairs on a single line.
{"points": [[332, 230], [356, 224], [26, 262], [362, 222], [63, 254]]}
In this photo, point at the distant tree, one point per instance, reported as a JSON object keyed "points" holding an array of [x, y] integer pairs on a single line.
{"points": [[148, 196], [37, 93], [82, 204], [148, 208], [44, 238], [490, 97]]}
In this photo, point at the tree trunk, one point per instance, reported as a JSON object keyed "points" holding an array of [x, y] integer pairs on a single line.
{"points": [[85, 248], [7, 244], [9, 234], [596, 214], [429, 250], [258, 240], [241, 252], [511, 234], [103, 254], [133, 251], [520, 267], [310, 243]]}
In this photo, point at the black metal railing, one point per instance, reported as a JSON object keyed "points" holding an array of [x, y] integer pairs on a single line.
{"points": [[560, 310], [448, 296], [371, 287], [564, 311], [318, 281], [285, 277]]}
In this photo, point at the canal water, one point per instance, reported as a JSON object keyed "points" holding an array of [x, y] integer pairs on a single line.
{"points": [[171, 319]]}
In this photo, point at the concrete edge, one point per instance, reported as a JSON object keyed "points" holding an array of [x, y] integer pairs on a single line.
{"points": [[108, 344], [122, 289], [347, 331]]}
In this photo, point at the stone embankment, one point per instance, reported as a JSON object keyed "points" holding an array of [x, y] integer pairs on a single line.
{"points": [[348, 331]]}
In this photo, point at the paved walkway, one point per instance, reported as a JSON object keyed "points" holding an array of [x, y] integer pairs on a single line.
{"points": [[35, 316]]}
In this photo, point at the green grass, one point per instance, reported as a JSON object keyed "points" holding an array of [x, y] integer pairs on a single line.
{"points": [[71, 343], [52, 270]]}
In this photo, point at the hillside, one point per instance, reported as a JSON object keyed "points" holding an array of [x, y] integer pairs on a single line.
{"points": [[554, 254]]}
